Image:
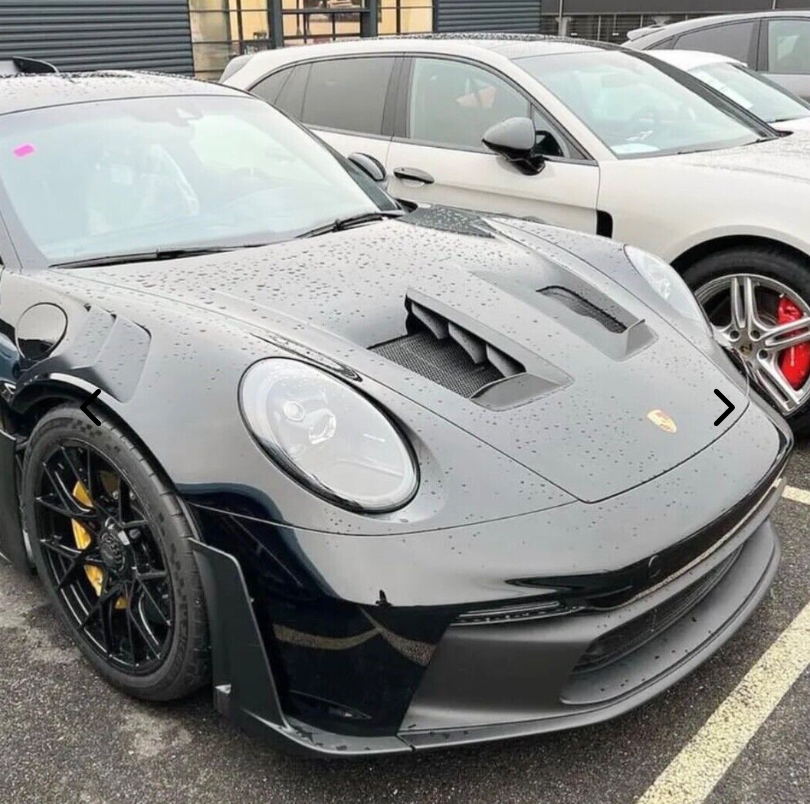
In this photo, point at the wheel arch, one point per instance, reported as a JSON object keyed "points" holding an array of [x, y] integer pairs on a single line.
{"points": [[20, 413], [728, 242]]}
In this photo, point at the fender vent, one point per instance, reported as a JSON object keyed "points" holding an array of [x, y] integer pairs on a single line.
{"points": [[447, 354], [583, 307]]}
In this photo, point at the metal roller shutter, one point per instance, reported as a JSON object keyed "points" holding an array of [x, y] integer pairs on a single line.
{"points": [[99, 34], [512, 16]]}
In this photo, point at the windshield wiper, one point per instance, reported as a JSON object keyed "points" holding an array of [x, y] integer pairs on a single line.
{"points": [[340, 224], [150, 256]]}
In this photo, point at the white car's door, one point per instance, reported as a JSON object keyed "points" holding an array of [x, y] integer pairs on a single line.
{"points": [[437, 156]]}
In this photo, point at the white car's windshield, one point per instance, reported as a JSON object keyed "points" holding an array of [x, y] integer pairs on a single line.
{"points": [[752, 91], [169, 173], [634, 107]]}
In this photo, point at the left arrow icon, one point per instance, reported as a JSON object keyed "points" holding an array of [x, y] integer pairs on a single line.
{"points": [[83, 407], [729, 407]]}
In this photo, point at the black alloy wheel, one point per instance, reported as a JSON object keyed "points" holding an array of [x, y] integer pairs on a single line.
{"points": [[111, 544]]}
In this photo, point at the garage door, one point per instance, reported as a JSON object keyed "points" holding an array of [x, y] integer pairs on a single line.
{"points": [[513, 16], [98, 34]]}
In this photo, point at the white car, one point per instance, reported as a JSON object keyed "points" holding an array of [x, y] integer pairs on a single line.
{"points": [[588, 136], [753, 91]]}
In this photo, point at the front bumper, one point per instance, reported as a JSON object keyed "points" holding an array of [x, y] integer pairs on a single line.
{"points": [[496, 680]]}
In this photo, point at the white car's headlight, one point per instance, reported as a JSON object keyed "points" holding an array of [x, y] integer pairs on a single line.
{"points": [[327, 435], [667, 283]]}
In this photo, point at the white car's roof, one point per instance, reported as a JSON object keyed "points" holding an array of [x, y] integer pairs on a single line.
{"points": [[510, 46], [691, 59]]}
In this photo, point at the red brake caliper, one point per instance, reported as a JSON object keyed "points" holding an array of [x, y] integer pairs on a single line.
{"points": [[795, 360]]}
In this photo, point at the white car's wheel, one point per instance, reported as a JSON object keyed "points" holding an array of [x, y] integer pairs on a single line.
{"points": [[758, 301]]}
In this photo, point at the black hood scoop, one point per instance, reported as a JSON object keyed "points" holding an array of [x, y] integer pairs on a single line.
{"points": [[462, 357]]}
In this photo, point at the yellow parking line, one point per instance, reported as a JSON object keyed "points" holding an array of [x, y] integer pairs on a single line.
{"points": [[696, 770], [797, 495]]}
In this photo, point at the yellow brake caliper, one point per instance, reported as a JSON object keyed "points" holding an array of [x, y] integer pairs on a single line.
{"points": [[83, 540]]}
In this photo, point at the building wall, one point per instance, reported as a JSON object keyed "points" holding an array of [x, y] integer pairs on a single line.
{"points": [[511, 16], [99, 34]]}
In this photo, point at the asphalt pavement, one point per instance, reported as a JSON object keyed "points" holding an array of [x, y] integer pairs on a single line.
{"points": [[65, 736]]}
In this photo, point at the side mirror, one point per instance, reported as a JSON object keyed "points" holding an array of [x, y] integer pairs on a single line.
{"points": [[371, 166], [516, 139]]}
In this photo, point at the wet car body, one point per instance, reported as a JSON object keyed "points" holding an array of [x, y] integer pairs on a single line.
{"points": [[556, 524]]}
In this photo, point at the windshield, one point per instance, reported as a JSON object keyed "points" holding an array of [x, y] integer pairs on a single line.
{"points": [[170, 173], [636, 108], [758, 95]]}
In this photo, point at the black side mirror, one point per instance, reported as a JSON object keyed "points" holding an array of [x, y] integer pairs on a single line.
{"points": [[516, 140], [371, 166]]}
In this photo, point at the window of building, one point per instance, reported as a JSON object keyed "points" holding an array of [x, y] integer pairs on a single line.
{"points": [[348, 94], [453, 103], [405, 16], [789, 47], [733, 40], [222, 29]]}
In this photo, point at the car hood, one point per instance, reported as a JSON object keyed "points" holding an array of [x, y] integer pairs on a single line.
{"points": [[800, 124], [615, 394], [786, 158]]}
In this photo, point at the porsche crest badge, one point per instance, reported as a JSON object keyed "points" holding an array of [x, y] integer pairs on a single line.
{"points": [[662, 421]]}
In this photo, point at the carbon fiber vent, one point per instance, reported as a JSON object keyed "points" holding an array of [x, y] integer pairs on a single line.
{"points": [[447, 354], [582, 306]]}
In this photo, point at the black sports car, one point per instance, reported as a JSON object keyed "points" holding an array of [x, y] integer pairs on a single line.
{"points": [[389, 481]]}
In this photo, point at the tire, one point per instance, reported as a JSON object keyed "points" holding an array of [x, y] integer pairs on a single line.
{"points": [[770, 262], [181, 664]]}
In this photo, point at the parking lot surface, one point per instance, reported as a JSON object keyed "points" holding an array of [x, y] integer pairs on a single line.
{"points": [[66, 736]]}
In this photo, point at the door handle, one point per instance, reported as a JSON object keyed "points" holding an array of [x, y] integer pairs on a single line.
{"points": [[413, 174]]}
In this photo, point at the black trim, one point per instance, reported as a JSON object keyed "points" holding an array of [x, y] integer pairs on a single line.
{"points": [[12, 544], [244, 687], [390, 106], [755, 44], [604, 223]]}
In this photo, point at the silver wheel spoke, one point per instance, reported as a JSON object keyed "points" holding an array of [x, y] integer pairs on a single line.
{"points": [[738, 312], [753, 323], [773, 382], [785, 335]]}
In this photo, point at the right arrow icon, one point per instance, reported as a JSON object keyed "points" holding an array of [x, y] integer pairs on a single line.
{"points": [[728, 409]]}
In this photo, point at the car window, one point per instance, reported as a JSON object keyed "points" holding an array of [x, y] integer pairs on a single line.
{"points": [[112, 177], [269, 88], [636, 107], [453, 103], [732, 40], [290, 98], [789, 47], [348, 94], [753, 91]]}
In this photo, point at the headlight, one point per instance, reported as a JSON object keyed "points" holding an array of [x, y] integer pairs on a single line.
{"points": [[327, 435], [666, 282]]}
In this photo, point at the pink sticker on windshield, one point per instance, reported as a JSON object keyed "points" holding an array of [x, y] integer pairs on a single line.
{"points": [[24, 150]]}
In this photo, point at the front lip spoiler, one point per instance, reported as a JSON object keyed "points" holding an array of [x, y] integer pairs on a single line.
{"points": [[245, 690]]}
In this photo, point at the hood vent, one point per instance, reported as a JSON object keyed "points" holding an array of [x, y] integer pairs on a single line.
{"points": [[448, 354], [582, 306]]}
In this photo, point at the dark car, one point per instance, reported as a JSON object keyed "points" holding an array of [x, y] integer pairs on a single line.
{"points": [[385, 481], [775, 43]]}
